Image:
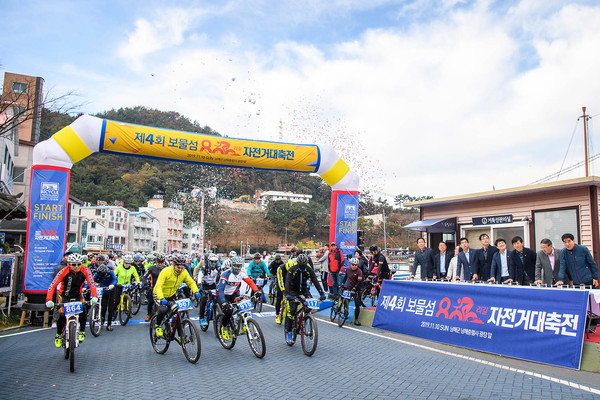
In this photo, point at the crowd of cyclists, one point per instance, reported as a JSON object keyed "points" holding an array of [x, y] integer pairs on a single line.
{"points": [[164, 278]]}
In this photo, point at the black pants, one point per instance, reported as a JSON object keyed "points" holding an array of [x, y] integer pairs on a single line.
{"points": [[292, 310], [108, 303], [62, 320], [278, 300], [229, 311], [149, 297], [324, 280], [117, 299], [204, 299], [162, 311], [357, 303]]}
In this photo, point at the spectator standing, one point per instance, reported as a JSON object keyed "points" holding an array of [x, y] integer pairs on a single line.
{"points": [[501, 263], [547, 264], [452, 265], [483, 257], [523, 262], [424, 258], [578, 261], [324, 269], [335, 263], [441, 261], [465, 266]]}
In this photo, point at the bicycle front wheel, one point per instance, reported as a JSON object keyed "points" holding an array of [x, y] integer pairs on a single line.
{"points": [[95, 321], [160, 344], [72, 344], [256, 339], [225, 334], [310, 335], [136, 302], [343, 314], [125, 311], [190, 341], [332, 314]]}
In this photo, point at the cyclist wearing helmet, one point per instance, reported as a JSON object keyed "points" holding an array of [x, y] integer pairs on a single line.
{"points": [[229, 287], [379, 266], [257, 268], [352, 282], [111, 264], [227, 262], [207, 276], [106, 279], [281, 275], [125, 273], [165, 289], [137, 263], [150, 277], [72, 277], [273, 269], [296, 285]]}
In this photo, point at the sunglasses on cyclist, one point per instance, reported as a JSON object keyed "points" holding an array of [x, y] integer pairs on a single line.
{"points": [[75, 265]]}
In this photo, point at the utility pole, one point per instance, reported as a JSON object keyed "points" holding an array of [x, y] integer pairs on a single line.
{"points": [[585, 140], [384, 233], [202, 222]]}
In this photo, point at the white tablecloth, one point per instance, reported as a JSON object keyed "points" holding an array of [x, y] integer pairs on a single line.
{"points": [[595, 299]]}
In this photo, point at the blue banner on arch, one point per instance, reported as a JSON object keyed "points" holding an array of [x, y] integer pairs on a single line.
{"points": [[345, 222], [541, 325], [46, 226]]}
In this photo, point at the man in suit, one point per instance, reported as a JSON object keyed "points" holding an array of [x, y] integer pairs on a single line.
{"points": [[441, 261], [424, 258], [547, 264], [466, 261], [501, 263], [523, 262], [483, 257]]}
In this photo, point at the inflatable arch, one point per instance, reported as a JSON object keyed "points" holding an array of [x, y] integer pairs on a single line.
{"points": [[53, 159]]}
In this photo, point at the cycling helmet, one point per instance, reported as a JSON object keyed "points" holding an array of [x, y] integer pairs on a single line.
{"points": [[257, 256], [302, 259], [213, 260], [179, 260], [354, 261], [74, 258], [236, 265], [111, 256], [150, 257], [85, 258], [232, 253], [160, 259], [294, 249], [278, 256], [373, 248], [102, 269], [137, 257], [127, 259]]}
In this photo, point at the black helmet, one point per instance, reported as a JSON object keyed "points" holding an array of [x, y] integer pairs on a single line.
{"points": [[373, 248], [160, 259], [294, 249], [302, 259], [179, 260], [257, 256], [102, 269], [278, 256]]}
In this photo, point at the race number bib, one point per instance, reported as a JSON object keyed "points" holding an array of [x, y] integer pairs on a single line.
{"points": [[346, 294], [245, 305], [73, 308], [312, 303], [184, 304]]}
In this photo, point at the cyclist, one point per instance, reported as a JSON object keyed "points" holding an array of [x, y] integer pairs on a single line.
{"points": [[207, 277], [72, 278], [273, 267], [296, 285], [150, 277], [352, 282], [111, 261], [149, 261], [125, 273], [106, 279], [227, 261], [380, 266], [229, 287], [138, 263], [165, 289], [281, 275], [198, 264], [258, 268]]}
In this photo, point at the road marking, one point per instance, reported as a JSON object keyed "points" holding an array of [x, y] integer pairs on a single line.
{"points": [[22, 333], [477, 360]]}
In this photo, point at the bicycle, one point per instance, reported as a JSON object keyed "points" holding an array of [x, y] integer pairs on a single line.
{"points": [[306, 325], [339, 309], [94, 317], [212, 309], [258, 301], [174, 322], [136, 298], [272, 291], [372, 290], [70, 331], [123, 309], [241, 321]]}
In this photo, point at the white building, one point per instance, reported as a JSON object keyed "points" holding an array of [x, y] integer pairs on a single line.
{"points": [[92, 236], [144, 229], [191, 238], [171, 224], [263, 198], [115, 220]]}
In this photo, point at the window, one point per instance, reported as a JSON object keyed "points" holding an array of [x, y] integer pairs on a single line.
{"points": [[19, 175], [553, 224], [90, 238], [19, 87], [504, 231], [98, 211], [111, 225], [93, 225], [122, 240]]}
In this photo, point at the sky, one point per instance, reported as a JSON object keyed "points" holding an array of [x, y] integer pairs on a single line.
{"points": [[424, 97]]}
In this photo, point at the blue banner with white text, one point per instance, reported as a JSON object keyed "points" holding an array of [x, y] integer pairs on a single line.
{"points": [[46, 226], [535, 324], [345, 222]]}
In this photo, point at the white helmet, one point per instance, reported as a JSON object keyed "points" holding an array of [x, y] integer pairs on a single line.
{"points": [[74, 258], [232, 253]]}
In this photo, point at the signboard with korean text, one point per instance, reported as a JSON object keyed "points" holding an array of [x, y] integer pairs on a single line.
{"points": [[493, 220], [541, 325], [123, 138], [47, 225]]}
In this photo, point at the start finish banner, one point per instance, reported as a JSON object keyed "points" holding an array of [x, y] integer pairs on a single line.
{"points": [[123, 138], [345, 209], [46, 226], [541, 325]]}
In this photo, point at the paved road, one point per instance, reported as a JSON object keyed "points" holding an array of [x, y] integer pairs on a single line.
{"points": [[349, 363]]}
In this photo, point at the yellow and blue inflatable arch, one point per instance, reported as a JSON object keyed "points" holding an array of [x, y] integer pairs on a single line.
{"points": [[53, 159]]}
